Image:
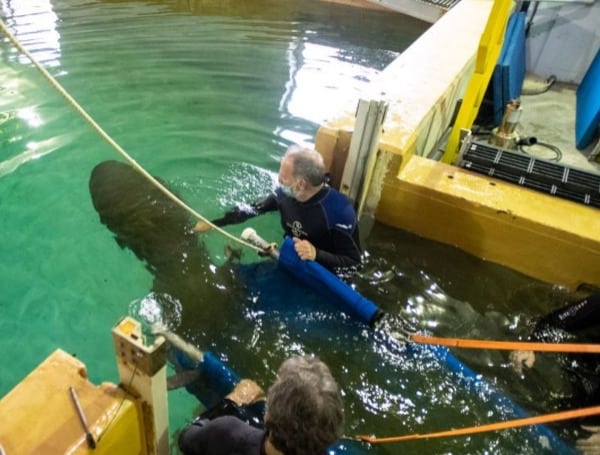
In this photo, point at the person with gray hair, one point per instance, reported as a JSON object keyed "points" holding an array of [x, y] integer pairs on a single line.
{"points": [[321, 220], [304, 408], [304, 415]]}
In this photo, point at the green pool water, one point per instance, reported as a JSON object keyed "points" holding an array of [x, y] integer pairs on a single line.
{"points": [[206, 96]]}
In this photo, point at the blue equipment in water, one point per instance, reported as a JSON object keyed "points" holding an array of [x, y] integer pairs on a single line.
{"points": [[219, 378], [317, 277], [475, 383], [352, 302], [214, 381]]}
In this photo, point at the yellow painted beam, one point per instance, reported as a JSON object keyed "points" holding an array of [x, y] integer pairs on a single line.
{"points": [[38, 416], [548, 238], [422, 92], [488, 52]]}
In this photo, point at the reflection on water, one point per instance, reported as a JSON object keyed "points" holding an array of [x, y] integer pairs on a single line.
{"points": [[207, 95], [447, 293], [34, 24]]}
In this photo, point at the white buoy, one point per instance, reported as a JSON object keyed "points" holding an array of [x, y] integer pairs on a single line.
{"points": [[251, 236]]}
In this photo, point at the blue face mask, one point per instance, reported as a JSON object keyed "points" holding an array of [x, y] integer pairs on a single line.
{"points": [[287, 190]]}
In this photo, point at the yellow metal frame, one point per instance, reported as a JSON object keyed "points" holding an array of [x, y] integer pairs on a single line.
{"points": [[488, 52], [39, 416], [551, 239]]}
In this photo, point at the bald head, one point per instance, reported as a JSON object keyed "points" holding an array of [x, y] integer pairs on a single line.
{"points": [[305, 163]]}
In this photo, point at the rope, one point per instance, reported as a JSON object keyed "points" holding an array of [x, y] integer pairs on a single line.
{"points": [[508, 345], [545, 418], [116, 412], [112, 142]]}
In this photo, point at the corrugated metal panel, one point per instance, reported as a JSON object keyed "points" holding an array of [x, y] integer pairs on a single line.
{"points": [[534, 173]]}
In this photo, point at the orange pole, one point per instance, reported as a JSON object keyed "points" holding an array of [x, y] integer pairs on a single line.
{"points": [[508, 345], [545, 418]]}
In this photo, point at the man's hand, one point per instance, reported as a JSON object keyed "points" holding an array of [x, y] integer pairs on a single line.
{"points": [[268, 250], [305, 249], [590, 445], [519, 359], [202, 226], [246, 392]]}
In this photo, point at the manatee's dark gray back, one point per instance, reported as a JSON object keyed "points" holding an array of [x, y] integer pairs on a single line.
{"points": [[141, 216], [159, 232]]}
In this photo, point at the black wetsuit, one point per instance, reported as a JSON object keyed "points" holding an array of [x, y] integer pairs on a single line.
{"points": [[578, 322], [327, 220], [225, 435], [227, 429]]}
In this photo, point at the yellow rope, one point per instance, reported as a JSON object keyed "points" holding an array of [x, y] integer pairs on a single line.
{"points": [[112, 142]]}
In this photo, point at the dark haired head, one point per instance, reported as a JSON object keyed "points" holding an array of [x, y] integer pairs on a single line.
{"points": [[304, 408]]}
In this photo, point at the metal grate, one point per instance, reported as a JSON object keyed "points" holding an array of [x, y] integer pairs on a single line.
{"points": [[446, 4], [534, 173]]}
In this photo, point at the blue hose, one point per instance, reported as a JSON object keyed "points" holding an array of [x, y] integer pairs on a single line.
{"points": [[215, 380], [317, 277], [476, 384], [220, 379], [349, 300]]}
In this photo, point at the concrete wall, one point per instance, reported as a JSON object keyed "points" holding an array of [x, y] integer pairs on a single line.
{"points": [[563, 39]]}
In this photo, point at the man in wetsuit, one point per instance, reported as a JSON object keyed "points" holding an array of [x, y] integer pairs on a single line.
{"points": [[577, 322], [320, 219], [304, 416]]}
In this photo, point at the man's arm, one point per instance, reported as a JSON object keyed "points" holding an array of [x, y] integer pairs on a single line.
{"points": [[559, 324], [580, 315], [241, 213]]}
